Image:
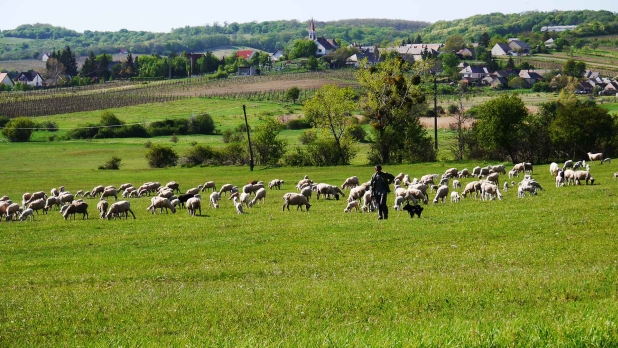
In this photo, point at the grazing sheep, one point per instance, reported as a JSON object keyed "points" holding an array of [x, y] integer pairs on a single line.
{"points": [[35, 196], [97, 190], [160, 203], [398, 202], [368, 203], [606, 160], [444, 181], [484, 171], [38, 204], [307, 192], [525, 187], [567, 164], [451, 172], [421, 187], [441, 193], [328, 190], [582, 175], [350, 182], [595, 156], [25, 198], [182, 199], [275, 183], [209, 185], [358, 192], [215, 197], [554, 168], [109, 193], [175, 202], [166, 193], [427, 179], [476, 171], [193, 205], [303, 183], [76, 208], [295, 199], [225, 189], [513, 173], [54, 192], [28, 213], [102, 208], [490, 191], [498, 169], [456, 184], [519, 167], [415, 195], [260, 195], [174, 186], [494, 177], [117, 209], [560, 179], [471, 187], [350, 206], [464, 173], [66, 198], [455, 198], [578, 165], [569, 177], [124, 186], [238, 206], [194, 190]]}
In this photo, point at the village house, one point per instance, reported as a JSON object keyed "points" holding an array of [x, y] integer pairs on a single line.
{"points": [[558, 28], [275, 56], [519, 47], [466, 53], [6, 80], [246, 71], [531, 77], [325, 46], [475, 73], [501, 49], [245, 54], [45, 57], [414, 52], [30, 79]]}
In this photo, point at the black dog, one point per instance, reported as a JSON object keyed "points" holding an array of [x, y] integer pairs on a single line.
{"points": [[413, 209]]}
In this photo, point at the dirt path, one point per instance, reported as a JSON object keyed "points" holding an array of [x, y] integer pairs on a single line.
{"points": [[281, 85]]}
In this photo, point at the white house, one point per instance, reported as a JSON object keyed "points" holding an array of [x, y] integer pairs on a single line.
{"points": [[33, 79], [475, 72], [501, 50], [45, 57], [275, 56], [325, 46], [5, 79]]}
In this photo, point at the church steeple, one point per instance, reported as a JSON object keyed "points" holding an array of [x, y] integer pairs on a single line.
{"points": [[312, 35]]}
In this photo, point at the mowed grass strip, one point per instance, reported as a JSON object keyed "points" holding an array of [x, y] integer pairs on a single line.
{"points": [[536, 271]]}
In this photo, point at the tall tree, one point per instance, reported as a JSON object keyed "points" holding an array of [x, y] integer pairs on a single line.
{"points": [[510, 64], [89, 68], [454, 43], [55, 70], [70, 62], [573, 68], [484, 40]]}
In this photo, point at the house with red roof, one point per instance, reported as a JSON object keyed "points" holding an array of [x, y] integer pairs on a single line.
{"points": [[246, 54]]}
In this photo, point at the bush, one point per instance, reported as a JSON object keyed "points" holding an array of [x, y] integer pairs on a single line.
{"points": [[308, 137], [108, 119], [131, 131], [201, 124], [300, 123], [296, 157], [234, 154], [4, 120], [87, 131], [230, 136], [148, 144], [198, 155], [160, 156], [113, 163], [452, 109], [174, 139], [19, 129], [169, 127], [356, 132]]}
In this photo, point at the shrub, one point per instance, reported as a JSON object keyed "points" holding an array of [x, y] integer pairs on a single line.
{"points": [[198, 155], [4, 120], [297, 157], [19, 129], [113, 163], [87, 131], [300, 123], [160, 156], [131, 131], [174, 139], [308, 137], [169, 127], [452, 109], [108, 119], [201, 124], [356, 132], [234, 154], [148, 144], [48, 126]]}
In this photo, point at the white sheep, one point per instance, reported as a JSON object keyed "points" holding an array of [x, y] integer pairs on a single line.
{"points": [[307, 192], [194, 190], [368, 205], [160, 203], [118, 208], [38, 204], [124, 186], [35, 196], [560, 179], [295, 199], [328, 190], [441, 194], [225, 189], [215, 197], [28, 213], [567, 164], [238, 206], [464, 173], [76, 208], [451, 172], [102, 208], [554, 168], [194, 204], [494, 177], [350, 182], [275, 183], [456, 184], [615, 176], [474, 186], [606, 160], [398, 202], [350, 206], [490, 190], [260, 195], [595, 156], [455, 197], [209, 185], [111, 192], [358, 192], [415, 195]]}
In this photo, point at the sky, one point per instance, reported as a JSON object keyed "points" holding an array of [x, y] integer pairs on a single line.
{"points": [[163, 16]]}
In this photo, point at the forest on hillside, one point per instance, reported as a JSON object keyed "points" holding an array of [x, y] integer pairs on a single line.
{"points": [[32, 40]]}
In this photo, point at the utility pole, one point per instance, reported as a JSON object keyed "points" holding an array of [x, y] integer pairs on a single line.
{"points": [[244, 110], [435, 108]]}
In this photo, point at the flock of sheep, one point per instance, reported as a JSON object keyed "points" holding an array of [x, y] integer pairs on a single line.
{"points": [[168, 197]]}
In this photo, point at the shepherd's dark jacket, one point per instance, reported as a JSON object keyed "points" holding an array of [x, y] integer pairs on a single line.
{"points": [[386, 178]]}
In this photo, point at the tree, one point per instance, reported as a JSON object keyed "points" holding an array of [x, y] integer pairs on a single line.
{"points": [[393, 104], [449, 63], [462, 132], [454, 43], [510, 64], [330, 109], [302, 48], [108, 119], [68, 59], [484, 40], [573, 68], [312, 63], [55, 70], [19, 129], [418, 39], [201, 124], [160, 156], [501, 124], [89, 69], [517, 83], [269, 148], [292, 93]]}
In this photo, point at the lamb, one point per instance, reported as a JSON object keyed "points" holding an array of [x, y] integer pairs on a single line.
{"points": [[238, 206], [76, 208], [441, 193], [455, 197], [553, 169], [160, 203], [275, 183], [350, 182], [398, 202], [505, 187], [102, 208], [350, 206], [595, 156], [194, 204], [327, 190], [456, 184], [307, 191], [242, 198], [560, 179], [28, 213], [209, 185], [38, 204], [215, 197], [260, 195], [295, 199], [174, 186], [225, 189], [525, 187], [109, 193], [118, 208], [513, 173], [54, 192]]}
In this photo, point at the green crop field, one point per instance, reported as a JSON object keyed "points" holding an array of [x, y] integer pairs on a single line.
{"points": [[536, 271]]}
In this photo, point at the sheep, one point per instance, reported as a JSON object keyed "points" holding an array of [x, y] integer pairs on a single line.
{"points": [[455, 197], [398, 202], [399, 176], [109, 193], [505, 187], [238, 206], [476, 171], [102, 208], [54, 192], [415, 194], [35, 196], [160, 203], [25, 198], [225, 189], [38, 204], [490, 191], [528, 167], [242, 198], [194, 204], [464, 173], [215, 197], [471, 187], [4, 198], [531, 182], [578, 165], [441, 193], [595, 156], [567, 164], [560, 179], [79, 193], [421, 187], [194, 190], [569, 177], [350, 182], [76, 208], [327, 190], [525, 187], [174, 186], [582, 175], [66, 198], [166, 193], [606, 160], [175, 202], [307, 191], [3, 207], [451, 172], [28, 213], [124, 186], [484, 171], [519, 167], [494, 177], [456, 184], [129, 192], [444, 181], [118, 208], [303, 183], [353, 204], [97, 190], [260, 195], [358, 192], [295, 199], [554, 168], [209, 185], [498, 169], [427, 179], [513, 173], [275, 183], [615, 176], [368, 204]]}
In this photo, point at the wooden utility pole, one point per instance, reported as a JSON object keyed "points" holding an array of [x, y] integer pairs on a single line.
{"points": [[244, 110]]}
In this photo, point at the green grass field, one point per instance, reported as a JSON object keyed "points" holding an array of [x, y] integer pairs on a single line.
{"points": [[538, 271]]}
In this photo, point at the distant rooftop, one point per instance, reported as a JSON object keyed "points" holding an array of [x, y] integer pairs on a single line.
{"points": [[558, 28]]}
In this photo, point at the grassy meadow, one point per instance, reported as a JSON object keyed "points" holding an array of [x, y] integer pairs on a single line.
{"points": [[539, 271]]}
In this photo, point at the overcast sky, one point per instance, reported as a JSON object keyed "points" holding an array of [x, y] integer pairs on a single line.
{"points": [[162, 16]]}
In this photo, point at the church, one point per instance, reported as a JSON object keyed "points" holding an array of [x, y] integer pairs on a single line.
{"points": [[325, 46]]}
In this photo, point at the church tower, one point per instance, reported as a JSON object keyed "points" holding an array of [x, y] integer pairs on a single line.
{"points": [[312, 35]]}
